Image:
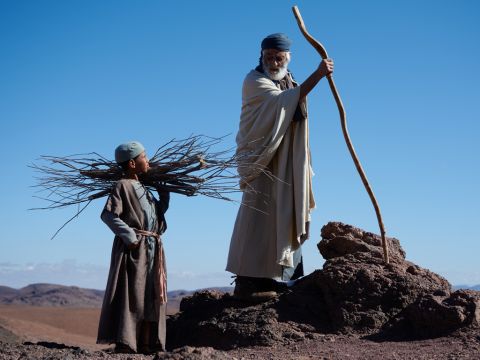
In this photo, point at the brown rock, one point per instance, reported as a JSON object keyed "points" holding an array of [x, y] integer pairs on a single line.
{"points": [[436, 314], [360, 291], [355, 293], [339, 239]]}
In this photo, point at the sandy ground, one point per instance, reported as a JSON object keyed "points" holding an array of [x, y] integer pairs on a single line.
{"points": [[64, 325], [70, 326]]}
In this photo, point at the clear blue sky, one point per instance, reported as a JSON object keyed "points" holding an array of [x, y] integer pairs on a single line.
{"points": [[82, 76]]}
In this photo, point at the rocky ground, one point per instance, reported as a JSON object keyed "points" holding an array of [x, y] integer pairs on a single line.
{"points": [[333, 347], [355, 307]]}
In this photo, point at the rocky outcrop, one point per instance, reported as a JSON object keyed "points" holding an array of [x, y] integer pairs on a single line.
{"points": [[360, 291], [355, 293]]}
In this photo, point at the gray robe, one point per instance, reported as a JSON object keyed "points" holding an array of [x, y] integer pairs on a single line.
{"points": [[124, 304]]}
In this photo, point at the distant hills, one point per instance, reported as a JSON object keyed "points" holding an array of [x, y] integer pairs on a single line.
{"points": [[51, 295], [475, 287], [73, 296]]}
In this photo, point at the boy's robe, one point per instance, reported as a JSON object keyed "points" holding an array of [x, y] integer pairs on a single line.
{"points": [[124, 302]]}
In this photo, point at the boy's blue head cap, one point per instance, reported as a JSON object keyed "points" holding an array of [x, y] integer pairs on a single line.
{"points": [[127, 151], [278, 41]]}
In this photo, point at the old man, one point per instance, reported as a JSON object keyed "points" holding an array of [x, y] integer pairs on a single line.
{"points": [[273, 221]]}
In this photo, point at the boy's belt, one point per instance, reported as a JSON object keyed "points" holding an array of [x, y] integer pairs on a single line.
{"points": [[146, 233], [161, 276]]}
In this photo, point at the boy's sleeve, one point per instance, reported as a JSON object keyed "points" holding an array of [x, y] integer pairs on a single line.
{"points": [[111, 216], [119, 227], [162, 206], [114, 203], [164, 201]]}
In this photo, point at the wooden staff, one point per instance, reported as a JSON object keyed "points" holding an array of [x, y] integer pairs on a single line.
{"points": [[343, 119]]}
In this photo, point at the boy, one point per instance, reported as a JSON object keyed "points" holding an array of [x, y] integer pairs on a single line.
{"points": [[133, 310]]}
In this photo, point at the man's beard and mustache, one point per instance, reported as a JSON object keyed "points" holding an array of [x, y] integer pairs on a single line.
{"points": [[277, 74]]}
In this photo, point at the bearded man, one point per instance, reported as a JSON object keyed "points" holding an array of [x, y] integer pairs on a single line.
{"points": [[272, 142]]}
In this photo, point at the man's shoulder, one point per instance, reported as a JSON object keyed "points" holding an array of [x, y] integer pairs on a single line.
{"points": [[254, 75], [257, 80]]}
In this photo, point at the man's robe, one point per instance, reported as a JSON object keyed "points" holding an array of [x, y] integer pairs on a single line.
{"points": [[125, 305], [272, 222]]}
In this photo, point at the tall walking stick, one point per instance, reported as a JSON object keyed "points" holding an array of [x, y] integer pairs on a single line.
{"points": [[343, 119]]}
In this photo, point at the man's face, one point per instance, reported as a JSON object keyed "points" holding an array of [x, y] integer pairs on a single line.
{"points": [[275, 63]]}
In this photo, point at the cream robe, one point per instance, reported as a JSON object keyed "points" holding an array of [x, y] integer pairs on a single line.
{"points": [[274, 224]]}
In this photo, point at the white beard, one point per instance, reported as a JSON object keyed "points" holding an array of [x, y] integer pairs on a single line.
{"points": [[279, 74]]}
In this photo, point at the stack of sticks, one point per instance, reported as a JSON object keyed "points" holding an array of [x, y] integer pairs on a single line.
{"points": [[188, 167]]}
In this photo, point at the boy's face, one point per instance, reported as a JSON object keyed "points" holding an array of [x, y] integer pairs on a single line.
{"points": [[140, 164]]}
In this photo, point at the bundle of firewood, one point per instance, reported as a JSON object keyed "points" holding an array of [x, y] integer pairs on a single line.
{"points": [[189, 167]]}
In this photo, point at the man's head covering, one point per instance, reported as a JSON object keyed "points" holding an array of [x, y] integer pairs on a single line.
{"points": [[127, 151], [278, 41]]}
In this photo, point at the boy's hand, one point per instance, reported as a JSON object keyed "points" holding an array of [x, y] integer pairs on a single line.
{"points": [[162, 191], [134, 245]]}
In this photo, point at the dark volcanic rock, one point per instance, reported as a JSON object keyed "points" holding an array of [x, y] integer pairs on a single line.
{"points": [[218, 320], [355, 293]]}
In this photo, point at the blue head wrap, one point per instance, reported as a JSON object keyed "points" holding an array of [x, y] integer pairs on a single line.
{"points": [[127, 151], [277, 41]]}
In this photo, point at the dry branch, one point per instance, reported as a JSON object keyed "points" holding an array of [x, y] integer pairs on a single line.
{"points": [[189, 167]]}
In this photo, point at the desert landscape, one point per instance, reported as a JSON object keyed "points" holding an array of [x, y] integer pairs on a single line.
{"points": [[51, 313], [355, 307]]}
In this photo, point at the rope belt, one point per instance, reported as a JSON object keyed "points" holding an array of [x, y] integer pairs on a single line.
{"points": [[146, 233], [161, 273]]}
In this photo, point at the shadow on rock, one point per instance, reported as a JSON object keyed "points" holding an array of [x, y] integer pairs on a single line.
{"points": [[355, 293], [51, 345], [434, 315]]}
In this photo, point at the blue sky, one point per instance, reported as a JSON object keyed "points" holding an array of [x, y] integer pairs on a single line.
{"points": [[82, 76]]}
